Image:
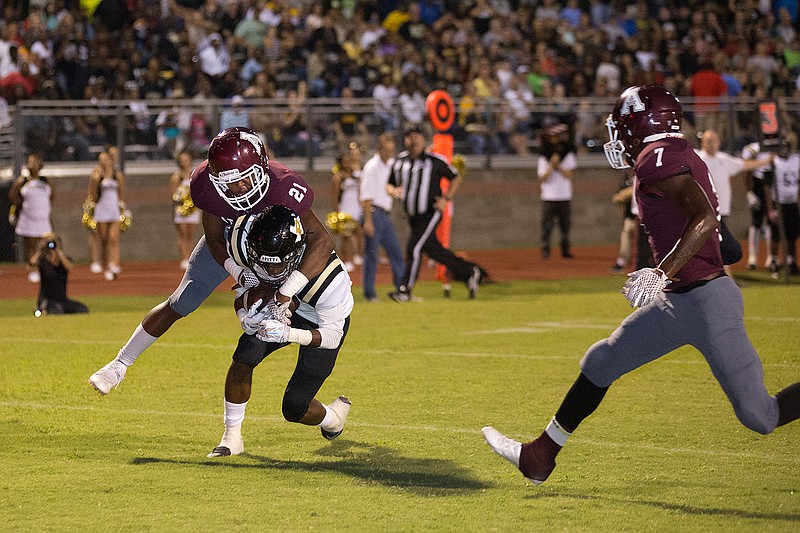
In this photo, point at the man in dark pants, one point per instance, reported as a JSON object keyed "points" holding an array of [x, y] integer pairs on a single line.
{"points": [[415, 179]]}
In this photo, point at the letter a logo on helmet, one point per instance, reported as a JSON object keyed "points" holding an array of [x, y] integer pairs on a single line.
{"points": [[642, 114], [239, 168]]}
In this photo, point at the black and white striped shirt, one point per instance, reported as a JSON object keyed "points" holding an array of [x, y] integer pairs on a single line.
{"points": [[420, 179]]}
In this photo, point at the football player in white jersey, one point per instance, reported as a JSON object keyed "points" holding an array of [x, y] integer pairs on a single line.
{"points": [[758, 200], [271, 244]]}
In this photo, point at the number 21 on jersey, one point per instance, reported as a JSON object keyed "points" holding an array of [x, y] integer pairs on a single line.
{"points": [[298, 192]]}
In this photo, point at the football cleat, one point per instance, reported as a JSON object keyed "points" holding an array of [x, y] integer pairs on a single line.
{"points": [[536, 460], [508, 449], [96, 268], [340, 408], [232, 443], [109, 377]]}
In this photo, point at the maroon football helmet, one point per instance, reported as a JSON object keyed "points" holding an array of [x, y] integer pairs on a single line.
{"points": [[238, 167], [642, 114]]}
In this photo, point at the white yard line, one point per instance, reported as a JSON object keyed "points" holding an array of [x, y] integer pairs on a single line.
{"points": [[768, 457], [227, 347]]}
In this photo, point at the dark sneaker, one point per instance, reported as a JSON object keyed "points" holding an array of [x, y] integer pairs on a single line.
{"points": [[773, 267], [617, 269]]}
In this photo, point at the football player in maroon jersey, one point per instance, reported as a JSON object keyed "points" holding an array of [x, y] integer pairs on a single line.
{"points": [[236, 179], [686, 299]]}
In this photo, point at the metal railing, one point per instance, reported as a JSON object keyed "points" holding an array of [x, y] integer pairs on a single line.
{"points": [[154, 130]]}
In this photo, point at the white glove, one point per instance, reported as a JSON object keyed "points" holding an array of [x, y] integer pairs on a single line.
{"points": [[252, 319], [753, 201], [644, 285], [273, 331], [280, 311]]}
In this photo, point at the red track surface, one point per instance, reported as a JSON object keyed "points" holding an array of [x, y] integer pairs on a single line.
{"points": [[161, 278]]}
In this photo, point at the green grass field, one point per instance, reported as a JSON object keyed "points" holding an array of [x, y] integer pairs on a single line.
{"points": [[664, 452]]}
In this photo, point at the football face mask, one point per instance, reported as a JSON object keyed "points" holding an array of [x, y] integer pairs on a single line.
{"points": [[238, 168]]}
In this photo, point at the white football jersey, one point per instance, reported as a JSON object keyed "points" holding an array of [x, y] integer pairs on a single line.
{"points": [[787, 171], [327, 300]]}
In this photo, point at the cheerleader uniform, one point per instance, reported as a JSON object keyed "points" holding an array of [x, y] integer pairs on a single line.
{"points": [[348, 202], [34, 218], [107, 207]]}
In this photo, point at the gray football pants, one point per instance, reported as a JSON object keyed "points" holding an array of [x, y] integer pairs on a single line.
{"points": [[710, 318], [202, 276]]}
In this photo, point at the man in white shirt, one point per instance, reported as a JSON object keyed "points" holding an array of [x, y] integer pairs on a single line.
{"points": [[722, 167], [376, 204], [554, 169]]}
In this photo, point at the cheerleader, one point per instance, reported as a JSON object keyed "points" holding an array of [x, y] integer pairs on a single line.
{"points": [[32, 196], [346, 185], [106, 190], [187, 216]]}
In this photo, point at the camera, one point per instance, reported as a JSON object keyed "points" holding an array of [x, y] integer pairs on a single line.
{"points": [[51, 245]]}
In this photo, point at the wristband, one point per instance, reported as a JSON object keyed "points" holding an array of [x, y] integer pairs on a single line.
{"points": [[293, 284], [300, 336], [233, 269]]}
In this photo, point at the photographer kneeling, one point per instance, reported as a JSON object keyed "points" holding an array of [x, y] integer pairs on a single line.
{"points": [[54, 267]]}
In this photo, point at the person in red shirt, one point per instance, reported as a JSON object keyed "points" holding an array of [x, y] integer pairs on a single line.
{"points": [[708, 83]]}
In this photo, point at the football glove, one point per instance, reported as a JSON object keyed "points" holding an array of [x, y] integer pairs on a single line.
{"points": [[254, 317], [644, 285], [273, 331], [753, 201], [280, 311]]}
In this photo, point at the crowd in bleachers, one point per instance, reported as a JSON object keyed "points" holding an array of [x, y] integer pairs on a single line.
{"points": [[509, 52]]}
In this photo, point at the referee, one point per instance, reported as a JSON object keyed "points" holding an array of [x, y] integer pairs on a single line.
{"points": [[415, 179]]}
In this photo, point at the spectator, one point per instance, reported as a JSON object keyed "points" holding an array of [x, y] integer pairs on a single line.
{"points": [[386, 94], [32, 196], [235, 115], [554, 169], [376, 205], [707, 83], [215, 59], [412, 102], [53, 268]]}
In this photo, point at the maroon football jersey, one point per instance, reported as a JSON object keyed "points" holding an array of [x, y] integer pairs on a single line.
{"points": [[286, 188], [663, 218]]}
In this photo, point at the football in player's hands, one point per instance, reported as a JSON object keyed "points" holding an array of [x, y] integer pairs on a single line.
{"points": [[262, 292]]}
